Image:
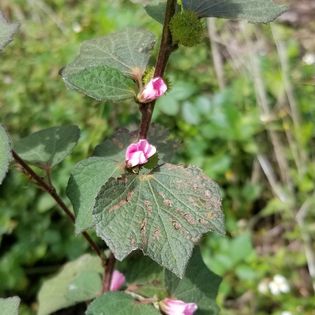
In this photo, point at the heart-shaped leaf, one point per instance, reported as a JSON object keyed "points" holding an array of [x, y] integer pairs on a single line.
{"points": [[10, 306], [78, 281], [7, 30], [91, 174], [119, 303], [106, 66], [162, 213], [199, 285], [256, 11], [127, 51], [5, 153], [48, 147]]}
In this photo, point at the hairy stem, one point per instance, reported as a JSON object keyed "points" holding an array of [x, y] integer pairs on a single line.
{"points": [[166, 48], [52, 192]]}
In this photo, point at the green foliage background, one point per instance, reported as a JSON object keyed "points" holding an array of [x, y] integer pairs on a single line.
{"points": [[222, 130]]}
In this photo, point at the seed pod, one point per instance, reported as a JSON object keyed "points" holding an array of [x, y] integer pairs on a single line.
{"points": [[186, 28]]}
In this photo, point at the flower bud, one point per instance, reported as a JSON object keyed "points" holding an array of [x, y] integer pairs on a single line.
{"points": [[139, 153], [118, 279], [155, 88], [177, 307]]}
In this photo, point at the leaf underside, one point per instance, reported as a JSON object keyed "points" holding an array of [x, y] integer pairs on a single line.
{"points": [[5, 153], [7, 31], [48, 147], [161, 213]]}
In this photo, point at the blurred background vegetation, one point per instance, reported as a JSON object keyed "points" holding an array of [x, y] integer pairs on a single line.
{"points": [[243, 103]]}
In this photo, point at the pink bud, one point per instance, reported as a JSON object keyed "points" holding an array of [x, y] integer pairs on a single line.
{"points": [[153, 90], [177, 307], [139, 153], [118, 279]]}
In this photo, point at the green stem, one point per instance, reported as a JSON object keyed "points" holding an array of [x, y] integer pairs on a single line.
{"points": [[166, 48]]}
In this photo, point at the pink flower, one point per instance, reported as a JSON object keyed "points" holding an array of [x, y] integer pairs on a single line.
{"points": [[118, 279], [139, 153], [177, 307], [153, 90]]}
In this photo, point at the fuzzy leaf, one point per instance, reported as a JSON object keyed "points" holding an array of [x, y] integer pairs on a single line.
{"points": [[7, 31], [91, 174], [199, 285], [105, 66], [86, 180], [102, 83], [48, 147], [161, 213], [256, 11], [127, 51], [143, 276], [78, 281], [119, 303], [10, 306], [5, 153]]}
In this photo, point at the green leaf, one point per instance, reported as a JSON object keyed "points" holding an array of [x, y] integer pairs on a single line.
{"points": [[86, 180], [119, 303], [91, 174], [127, 51], [157, 12], [143, 276], [102, 83], [256, 11], [48, 147], [78, 281], [158, 136], [7, 31], [5, 153], [162, 213], [10, 306], [105, 66], [199, 285]]}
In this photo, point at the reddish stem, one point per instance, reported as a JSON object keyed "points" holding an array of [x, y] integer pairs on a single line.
{"points": [[166, 48]]}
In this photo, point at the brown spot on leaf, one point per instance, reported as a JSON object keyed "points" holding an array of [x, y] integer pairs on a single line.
{"points": [[202, 221], [168, 202], [119, 205], [211, 215], [148, 206], [133, 242], [143, 226], [176, 225], [157, 234], [208, 193], [189, 218]]}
